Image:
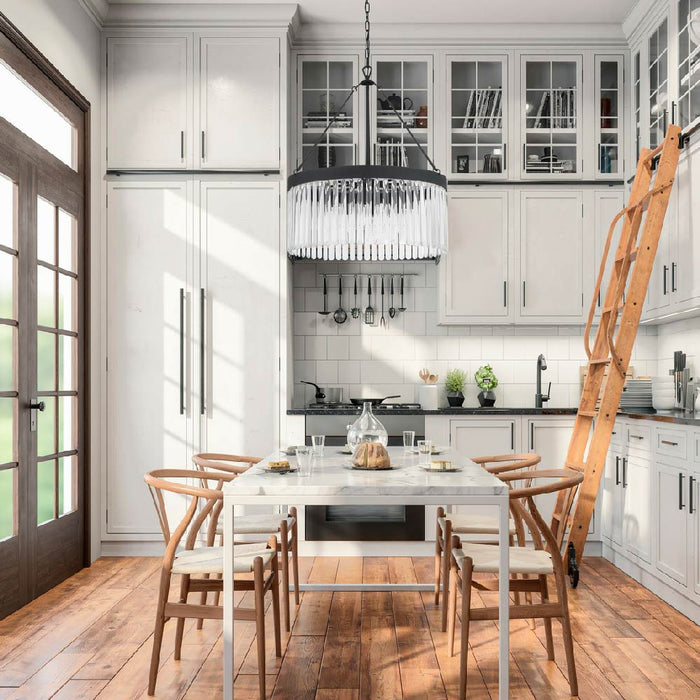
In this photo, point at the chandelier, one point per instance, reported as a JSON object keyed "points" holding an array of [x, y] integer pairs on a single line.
{"points": [[367, 212]]}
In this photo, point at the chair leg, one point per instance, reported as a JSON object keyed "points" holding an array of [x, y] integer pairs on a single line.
{"points": [[544, 593], [446, 558], [467, 570], [184, 592], [438, 553], [258, 577], [158, 631], [295, 554], [284, 547], [217, 594], [275, 590], [516, 594], [452, 614], [566, 629], [203, 601]]}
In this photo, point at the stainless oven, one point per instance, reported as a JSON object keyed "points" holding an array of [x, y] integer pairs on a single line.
{"points": [[364, 523]]}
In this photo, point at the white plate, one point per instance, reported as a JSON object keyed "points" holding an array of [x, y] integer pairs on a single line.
{"points": [[435, 451], [443, 471], [291, 470]]}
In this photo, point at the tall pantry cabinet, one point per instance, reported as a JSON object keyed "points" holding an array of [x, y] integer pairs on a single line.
{"points": [[194, 260]]}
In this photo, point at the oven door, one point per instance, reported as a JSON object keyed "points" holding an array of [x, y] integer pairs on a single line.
{"points": [[365, 523]]}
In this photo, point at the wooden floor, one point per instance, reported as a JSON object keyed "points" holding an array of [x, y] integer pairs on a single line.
{"points": [[91, 637]]}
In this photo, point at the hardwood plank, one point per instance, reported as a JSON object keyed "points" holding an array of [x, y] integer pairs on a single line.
{"points": [[337, 694], [51, 677], [339, 667], [380, 677], [324, 570], [298, 677], [349, 570], [345, 618], [208, 681], [80, 690], [312, 616]]}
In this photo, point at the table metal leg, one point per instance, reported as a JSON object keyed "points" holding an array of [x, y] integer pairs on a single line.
{"points": [[503, 600], [228, 601]]}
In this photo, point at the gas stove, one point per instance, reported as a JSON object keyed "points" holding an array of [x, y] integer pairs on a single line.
{"points": [[345, 406]]}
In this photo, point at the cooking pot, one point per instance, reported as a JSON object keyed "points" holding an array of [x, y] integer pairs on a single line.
{"points": [[326, 394]]}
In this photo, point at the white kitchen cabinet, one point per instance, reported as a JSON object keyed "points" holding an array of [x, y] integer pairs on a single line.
{"points": [[149, 102], [478, 437], [239, 108], [607, 204], [609, 116], [671, 520], [149, 299], [551, 256], [474, 274], [694, 536], [636, 517], [239, 294], [612, 498], [685, 278]]}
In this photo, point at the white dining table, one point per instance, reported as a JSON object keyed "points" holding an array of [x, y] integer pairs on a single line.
{"points": [[333, 481]]}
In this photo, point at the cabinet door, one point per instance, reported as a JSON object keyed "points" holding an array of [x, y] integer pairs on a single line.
{"points": [[551, 252], [148, 297], [685, 267], [670, 513], [636, 524], [609, 116], [239, 103], [660, 288], [694, 539], [606, 205], [148, 102], [474, 273], [239, 294], [612, 503]]}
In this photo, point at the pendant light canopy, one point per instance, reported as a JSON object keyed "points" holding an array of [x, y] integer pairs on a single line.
{"points": [[367, 212]]}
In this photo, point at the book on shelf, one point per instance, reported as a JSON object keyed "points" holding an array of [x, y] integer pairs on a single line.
{"points": [[557, 109], [484, 108], [389, 151]]}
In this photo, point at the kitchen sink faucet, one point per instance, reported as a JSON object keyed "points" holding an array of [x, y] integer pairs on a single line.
{"points": [[540, 398]]}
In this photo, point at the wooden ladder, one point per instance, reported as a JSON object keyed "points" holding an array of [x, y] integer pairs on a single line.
{"points": [[617, 330]]}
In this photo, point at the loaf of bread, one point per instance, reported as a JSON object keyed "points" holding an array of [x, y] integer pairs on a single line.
{"points": [[371, 455]]}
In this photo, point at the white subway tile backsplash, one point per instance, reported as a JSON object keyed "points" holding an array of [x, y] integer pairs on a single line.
{"points": [[349, 372], [393, 348], [304, 324], [305, 275], [491, 348], [381, 372], [413, 323], [338, 348], [326, 372], [425, 299], [470, 348], [315, 347], [298, 348], [448, 348], [426, 347], [557, 348]]}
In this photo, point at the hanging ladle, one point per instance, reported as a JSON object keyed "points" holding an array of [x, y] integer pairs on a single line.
{"points": [[340, 315], [325, 311], [356, 311], [392, 308], [402, 308]]}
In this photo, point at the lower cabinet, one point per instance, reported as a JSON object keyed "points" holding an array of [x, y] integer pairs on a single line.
{"points": [[671, 521], [636, 511]]}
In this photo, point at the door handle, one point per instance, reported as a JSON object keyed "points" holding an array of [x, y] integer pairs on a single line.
{"points": [[203, 156], [691, 509], [202, 327], [523, 293], [673, 277], [505, 293], [505, 146], [617, 471], [182, 351], [512, 436], [681, 505], [668, 442], [665, 279], [182, 145], [34, 406], [532, 436], [624, 472]]}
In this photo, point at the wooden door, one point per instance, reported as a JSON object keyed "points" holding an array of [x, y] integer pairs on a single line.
{"points": [[42, 329], [149, 96], [239, 103], [636, 524], [551, 255], [149, 304], [237, 392], [670, 512], [474, 274]]}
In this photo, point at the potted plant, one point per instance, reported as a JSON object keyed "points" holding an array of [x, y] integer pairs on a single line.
{"points": [[487, 381], [455, 382]]}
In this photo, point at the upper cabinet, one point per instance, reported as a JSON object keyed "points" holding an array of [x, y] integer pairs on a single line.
{"points": [[608, 117], [658, 84], [688, 80], [477, 108], [154, 121], [149, 93], [551, 116]]}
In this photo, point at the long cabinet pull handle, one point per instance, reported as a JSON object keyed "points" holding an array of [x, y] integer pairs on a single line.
{"points": [[523, 293], [691, 508], [673, 112], [681, 505], [637, 437], [505, 293], [512, 436], [668, 442], [505, 151], [674, 266], [203, 156], [182, 145], [617, 471], [532, 436], [665, 279], [624, 472], [182, 351], [202, 327]]}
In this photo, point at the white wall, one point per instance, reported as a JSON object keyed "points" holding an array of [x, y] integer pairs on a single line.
{"points": [[369, 360], [681, 335], [64, 33]]}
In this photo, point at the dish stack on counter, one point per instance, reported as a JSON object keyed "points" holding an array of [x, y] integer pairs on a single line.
{"points": [[663, 393], [636, 394]]}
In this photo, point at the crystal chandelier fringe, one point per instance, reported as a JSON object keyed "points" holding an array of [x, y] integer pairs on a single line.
{"points": [[367, 219]]}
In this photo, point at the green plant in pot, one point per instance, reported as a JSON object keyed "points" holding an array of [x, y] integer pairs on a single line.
{"points": [[487, 381], [455, 381]]}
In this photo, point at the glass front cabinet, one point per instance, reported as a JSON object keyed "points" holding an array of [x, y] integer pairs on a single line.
{"points": [[609, 116], [688, 82], [551, 117], [477, 100]]}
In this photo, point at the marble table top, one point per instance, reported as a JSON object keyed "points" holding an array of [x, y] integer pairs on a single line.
{"points": [[332, 474]]}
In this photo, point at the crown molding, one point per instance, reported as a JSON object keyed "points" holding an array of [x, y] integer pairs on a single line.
{"points": [[96, 10], [187, 14], [640, 16]]}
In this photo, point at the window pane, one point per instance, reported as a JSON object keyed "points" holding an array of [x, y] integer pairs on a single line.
{"points": [[7, 285], [46, 428], [67, 257], [44, 491], [67, 361], [67, 423], [67, 470], [46, 361], [7, 358], [23, 107], [67, 306], [8, 479], [46, 297], [8, 212], [7, 430], [45, 231]]}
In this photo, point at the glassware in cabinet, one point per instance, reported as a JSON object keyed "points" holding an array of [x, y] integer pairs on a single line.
{"points": [[609, 115]]}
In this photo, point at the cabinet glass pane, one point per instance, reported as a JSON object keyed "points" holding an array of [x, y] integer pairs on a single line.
{"points": [[476, 119], [636, 74], [551, 117], [8, 485], [688, 66], [46, 428], [658, 84], [8, 212], [610, 122], [8, 407], [45, 490]]}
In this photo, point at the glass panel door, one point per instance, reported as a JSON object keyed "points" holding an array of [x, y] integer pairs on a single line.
{"points": [[658, 84], [609, 113], [477, 102], [688, 66], [551, 122], [637, 97]]}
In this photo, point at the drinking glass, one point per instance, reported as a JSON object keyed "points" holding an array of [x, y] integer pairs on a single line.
{"points": [[425, 448], [304, 459], [318, 442], [409, 439]]}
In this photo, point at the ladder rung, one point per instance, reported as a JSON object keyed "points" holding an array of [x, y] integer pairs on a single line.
{"points": [[588, 414], [575, 466], [600, 361], [631, 257], [608, 309]]}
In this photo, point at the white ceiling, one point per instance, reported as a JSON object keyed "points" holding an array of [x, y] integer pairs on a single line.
{"points": [[448, 11]]}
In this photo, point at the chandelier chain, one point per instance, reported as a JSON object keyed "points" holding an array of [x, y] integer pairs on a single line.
{"points": [[367, 68]]}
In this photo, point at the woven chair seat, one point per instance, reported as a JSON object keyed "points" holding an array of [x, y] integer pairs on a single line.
{"points": [[210, 560], [465, 523], [256, 524], [523, 560]]}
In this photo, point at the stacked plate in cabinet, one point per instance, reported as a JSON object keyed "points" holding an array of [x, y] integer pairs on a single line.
{"points": [[636, 394]]}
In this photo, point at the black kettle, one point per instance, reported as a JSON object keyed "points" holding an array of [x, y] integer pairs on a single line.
{"points": [[394, 102]]}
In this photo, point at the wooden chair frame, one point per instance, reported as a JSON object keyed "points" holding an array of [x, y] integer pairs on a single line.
{"points": [[202, 501], [543, 539], [494, 464]]}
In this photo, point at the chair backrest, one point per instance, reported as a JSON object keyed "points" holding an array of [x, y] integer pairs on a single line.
{"points": [[216, 461], [499, 464], [180, 481]]}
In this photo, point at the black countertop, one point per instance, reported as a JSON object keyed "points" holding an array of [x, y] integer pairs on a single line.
{"points": [[471, 411], [677, 417]]}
